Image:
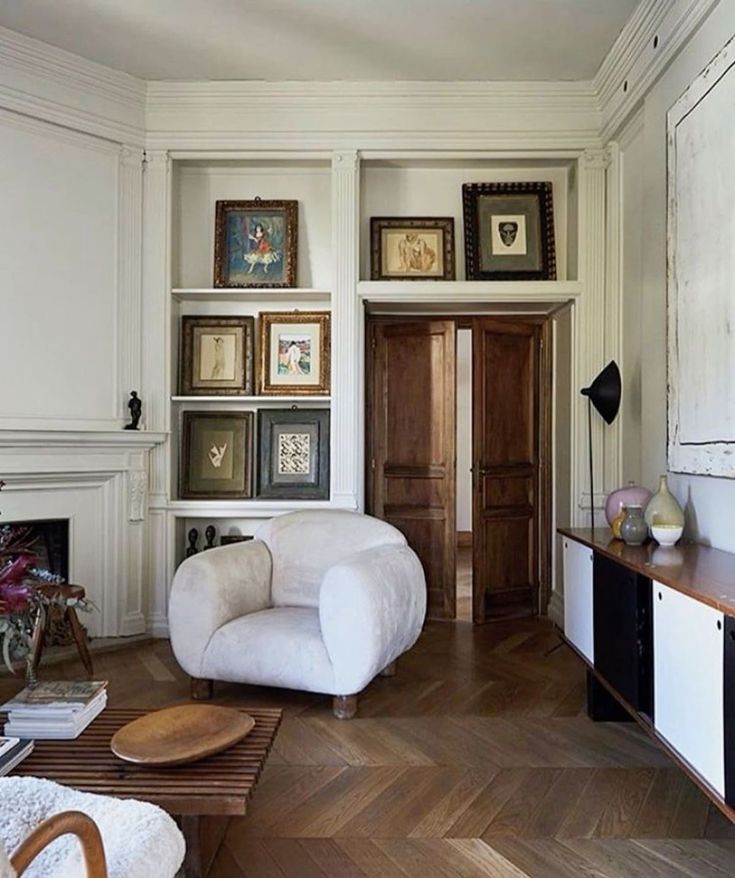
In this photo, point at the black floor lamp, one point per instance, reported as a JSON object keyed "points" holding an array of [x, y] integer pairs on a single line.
{"points": [[604, 395]]}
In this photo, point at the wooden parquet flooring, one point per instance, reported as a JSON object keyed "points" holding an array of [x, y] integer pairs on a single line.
{"points": [[477, 759]]}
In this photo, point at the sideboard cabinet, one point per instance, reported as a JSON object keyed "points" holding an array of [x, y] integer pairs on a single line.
{"points": [[656, 629]]}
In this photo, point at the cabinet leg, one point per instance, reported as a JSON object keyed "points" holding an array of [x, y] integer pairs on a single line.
{"points": [[201, 690], [601, 706], [344, 706]]}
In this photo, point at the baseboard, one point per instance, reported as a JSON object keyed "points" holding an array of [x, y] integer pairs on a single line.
{"points": [[555, 609], [158, 626], [464, 539]]}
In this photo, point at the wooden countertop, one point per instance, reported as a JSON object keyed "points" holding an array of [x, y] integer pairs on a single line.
{"points": [[706, 574]]}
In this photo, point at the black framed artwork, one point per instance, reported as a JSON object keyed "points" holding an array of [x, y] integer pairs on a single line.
{"points": [[216, 455], [509, 231], [293, 454]]}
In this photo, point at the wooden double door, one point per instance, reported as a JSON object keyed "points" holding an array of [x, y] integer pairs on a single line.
{"points": [[411, 455]]}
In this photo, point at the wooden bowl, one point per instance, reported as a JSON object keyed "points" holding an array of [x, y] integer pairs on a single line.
{"points": [[177, 735]]}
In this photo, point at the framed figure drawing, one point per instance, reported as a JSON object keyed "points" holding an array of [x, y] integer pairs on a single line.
{"points": [[216, 456], [294, 352], [255, 243], [509, 231], [412, 248], [217, 356], [701, 273], [293, 454]]}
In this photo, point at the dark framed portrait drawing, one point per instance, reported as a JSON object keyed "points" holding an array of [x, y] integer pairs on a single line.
{"points": [[293, 454], [217, 356], [411, 248], [255, 243], [216, 456], [509, 231]]}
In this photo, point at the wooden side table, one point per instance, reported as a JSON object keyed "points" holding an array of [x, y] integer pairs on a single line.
{"points": [[202, 795], [67, 592]]}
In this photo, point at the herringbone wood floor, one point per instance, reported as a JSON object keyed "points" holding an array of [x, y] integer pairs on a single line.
{"points": [[476, 760]]}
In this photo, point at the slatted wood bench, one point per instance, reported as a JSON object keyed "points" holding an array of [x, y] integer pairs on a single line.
{"points": [[201, 796]]}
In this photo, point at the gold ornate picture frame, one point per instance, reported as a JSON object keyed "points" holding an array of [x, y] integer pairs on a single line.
{"points": [[295, 353]]}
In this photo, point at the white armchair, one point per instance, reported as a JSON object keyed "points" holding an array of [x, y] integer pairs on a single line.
{"points": [[320, 601]]}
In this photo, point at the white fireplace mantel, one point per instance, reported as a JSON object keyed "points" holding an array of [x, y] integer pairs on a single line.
{"points": [[98, 480]]}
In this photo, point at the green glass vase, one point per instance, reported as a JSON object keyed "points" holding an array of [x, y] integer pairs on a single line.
{"points": [[663, 508]]}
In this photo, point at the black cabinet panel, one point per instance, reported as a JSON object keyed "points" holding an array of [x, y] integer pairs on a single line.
{"points": [[624, 632]]}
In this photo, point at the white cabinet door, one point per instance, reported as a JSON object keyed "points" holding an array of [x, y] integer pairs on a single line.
{"points": [[688, 681], [578, 597]]}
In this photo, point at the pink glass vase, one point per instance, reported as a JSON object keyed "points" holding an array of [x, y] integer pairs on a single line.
{"points": [[630, 495]]}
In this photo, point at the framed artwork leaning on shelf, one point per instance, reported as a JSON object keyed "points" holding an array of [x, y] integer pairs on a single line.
{"points": [[293, 456], [255, 243], [294, 352], [216, 456], [509, 231], [411, 248], [217, 356]]}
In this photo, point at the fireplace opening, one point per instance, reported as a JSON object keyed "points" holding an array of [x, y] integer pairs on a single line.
{"points": [[47, 541]]}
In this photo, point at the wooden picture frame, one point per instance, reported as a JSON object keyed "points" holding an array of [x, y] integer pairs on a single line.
{"points": [[509, 231], [411, 248], [295, 353], [217, 356], [293, 454], [255, 243], [216, 456]]}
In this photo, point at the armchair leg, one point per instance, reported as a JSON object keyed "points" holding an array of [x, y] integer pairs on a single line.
{"points": [[389, 670], [344, 706], [201, 690]]}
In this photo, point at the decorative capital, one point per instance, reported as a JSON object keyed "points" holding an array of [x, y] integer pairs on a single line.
{"points": [[156, 158], [596, 159], [347, 160], [131, 157]]}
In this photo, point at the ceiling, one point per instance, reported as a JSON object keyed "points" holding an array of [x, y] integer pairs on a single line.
{"points": [[330, 39]]}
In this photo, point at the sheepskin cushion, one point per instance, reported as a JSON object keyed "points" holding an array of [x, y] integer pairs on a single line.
{"points": [[139, 838]]}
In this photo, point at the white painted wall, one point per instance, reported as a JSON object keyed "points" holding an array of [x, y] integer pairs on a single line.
{"points": [[58, 276], [709, 501], [464, 430]]}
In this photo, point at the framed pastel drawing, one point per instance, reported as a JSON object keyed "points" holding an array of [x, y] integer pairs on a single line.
{"points": [[509, 231], [255, 243], [411, 248], [216, 456], [293, 454], [217, 356], [294, 352]]}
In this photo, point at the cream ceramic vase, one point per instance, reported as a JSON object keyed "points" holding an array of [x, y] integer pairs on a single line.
{"points": [[663, 507]]}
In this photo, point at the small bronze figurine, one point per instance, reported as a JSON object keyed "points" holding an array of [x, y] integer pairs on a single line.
{"points": [[210, 533], [193, 537], [136, 407]]}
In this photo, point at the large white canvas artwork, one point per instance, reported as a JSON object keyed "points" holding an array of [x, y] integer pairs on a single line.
{"points": [[701, 280]]}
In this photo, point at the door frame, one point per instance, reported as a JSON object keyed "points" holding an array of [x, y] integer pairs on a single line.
{"points": [[545, 438]]}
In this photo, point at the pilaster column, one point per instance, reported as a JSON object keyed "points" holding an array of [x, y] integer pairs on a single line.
{"points": [[347, 337], [129, 302], [590, 348], [613, 435]]}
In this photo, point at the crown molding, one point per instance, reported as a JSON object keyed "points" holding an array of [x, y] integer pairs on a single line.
{"points": [[371, 115], [56, 86], [633, 64]]}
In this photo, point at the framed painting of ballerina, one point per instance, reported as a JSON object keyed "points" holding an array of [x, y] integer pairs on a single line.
{"points": [[255, 243], [217, 356]]}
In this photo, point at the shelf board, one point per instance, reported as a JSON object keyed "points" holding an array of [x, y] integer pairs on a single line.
{"points": [[552, 291], [250, 294], [256, 400], [241, 508]]}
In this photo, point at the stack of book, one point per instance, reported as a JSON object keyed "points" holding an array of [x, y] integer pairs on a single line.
{"points": [[59, 710], [12, 752]]}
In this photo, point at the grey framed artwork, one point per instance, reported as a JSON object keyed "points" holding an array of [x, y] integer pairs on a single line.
{"points": [[216, 456], [509, 231], [217, 356], [293, 454]]}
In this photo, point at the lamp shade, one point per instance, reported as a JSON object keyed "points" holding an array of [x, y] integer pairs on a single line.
{"points": [[604, 392]]}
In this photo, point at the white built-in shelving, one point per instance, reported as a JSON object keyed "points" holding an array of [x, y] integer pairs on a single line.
{"points": [[301, 401]]}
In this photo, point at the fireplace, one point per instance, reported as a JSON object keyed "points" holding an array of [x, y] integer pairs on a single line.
{"points": [[47, 541]]}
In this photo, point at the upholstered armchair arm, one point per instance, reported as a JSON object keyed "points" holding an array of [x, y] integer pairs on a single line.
{"points": [[371, 609], [212, 588]]}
